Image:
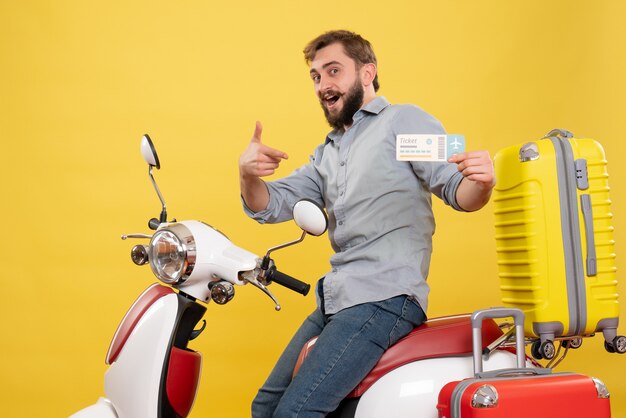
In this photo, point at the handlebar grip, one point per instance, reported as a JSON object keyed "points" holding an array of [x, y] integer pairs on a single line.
{"points": [[289, 282]]}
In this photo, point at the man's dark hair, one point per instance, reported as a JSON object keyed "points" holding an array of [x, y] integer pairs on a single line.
{"points": [[355, 46]]}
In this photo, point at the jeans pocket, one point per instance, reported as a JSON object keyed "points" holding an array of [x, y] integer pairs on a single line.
{"points": [[410, 317], [414, 312]]}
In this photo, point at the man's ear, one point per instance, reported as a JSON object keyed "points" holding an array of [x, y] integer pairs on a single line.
{"points": [[368, 73]]}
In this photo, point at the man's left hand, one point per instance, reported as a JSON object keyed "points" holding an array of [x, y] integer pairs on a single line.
{"points": [[478, 179], [476, 166]]}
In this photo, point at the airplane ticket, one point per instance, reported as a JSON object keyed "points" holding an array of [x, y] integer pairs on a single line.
{"points": [[427, 147]]}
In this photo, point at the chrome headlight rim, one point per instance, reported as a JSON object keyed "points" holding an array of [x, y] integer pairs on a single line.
{"points": [[185, 240]]}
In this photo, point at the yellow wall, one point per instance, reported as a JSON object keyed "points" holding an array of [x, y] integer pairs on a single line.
{"points": [[80, 82]]}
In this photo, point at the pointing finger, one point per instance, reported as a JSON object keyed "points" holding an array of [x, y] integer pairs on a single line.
{"points": [[273, 153], [258, 129]]}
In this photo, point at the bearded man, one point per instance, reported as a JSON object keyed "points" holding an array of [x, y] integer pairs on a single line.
{"points": [[380, 225]]}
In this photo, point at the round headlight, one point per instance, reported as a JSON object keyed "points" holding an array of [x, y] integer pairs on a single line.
{"points": [[169, 255]]}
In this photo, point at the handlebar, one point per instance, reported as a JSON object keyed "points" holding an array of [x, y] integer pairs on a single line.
{"points": [[288, 281]]}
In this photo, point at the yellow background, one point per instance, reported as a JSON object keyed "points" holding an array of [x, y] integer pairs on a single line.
{"points": [[80, 82]]}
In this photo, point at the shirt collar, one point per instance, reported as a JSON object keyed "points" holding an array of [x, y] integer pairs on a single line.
{"points": [[374, 107]]}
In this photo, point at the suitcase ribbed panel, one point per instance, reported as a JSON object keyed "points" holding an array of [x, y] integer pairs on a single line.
{"points": [[526, 234]]}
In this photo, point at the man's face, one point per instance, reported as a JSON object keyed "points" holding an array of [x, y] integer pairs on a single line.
{"points": [[337, 85]]}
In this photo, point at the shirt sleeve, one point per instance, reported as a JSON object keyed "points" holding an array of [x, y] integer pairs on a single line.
{"points": [[441, 178], [303, 183]]}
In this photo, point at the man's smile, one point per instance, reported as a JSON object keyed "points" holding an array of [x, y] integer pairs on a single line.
{"points": [[330, 99]]}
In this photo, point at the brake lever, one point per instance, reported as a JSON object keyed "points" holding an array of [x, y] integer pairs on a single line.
{"points": [[126, 236], [254, 282]]}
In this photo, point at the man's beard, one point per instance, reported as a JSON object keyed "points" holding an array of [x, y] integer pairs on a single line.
{"points": [[352, 102]]}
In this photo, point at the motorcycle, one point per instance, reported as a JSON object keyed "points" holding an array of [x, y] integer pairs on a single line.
{"points": [[154, 373]]}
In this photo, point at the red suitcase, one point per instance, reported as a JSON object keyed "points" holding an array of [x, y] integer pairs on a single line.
{"points": [[521, 392]]}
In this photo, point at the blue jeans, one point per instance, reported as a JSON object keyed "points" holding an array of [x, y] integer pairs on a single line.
{"points": [[350, 344]]}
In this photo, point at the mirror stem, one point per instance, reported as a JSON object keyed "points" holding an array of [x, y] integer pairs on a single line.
{"points": [[266, 259], [163, 216]]}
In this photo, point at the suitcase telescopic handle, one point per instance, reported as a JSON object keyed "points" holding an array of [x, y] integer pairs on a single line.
{"points": [[477, 335]]}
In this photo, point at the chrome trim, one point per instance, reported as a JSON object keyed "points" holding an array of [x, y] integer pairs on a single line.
{"points": [[603, 391], [188, 243], [287, 244], [252, 278], [222, 292], [485, 396], [156, 187], [126, 236], [529, 152], [139, 255]]}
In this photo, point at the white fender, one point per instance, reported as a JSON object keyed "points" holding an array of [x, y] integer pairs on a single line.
{"points": [[132, 382]]}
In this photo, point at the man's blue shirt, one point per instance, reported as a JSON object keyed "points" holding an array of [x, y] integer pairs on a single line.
{"points": [[380, 213]]}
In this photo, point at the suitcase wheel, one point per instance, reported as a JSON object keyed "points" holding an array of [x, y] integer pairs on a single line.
{"points": [[543, 350], [618, 345], [573, 343]]}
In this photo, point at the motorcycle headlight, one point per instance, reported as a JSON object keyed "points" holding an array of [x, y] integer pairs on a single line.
{"points": [[172, 253]]}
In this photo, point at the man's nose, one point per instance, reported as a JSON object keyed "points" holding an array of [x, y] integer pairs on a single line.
{"points": [[325, 84]]}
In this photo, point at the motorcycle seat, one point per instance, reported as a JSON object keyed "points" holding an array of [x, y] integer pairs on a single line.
{"points": [[438, 337]]}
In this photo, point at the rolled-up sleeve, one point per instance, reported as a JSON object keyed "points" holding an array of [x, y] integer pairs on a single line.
{"points": [[444, 182], [303, 183]]}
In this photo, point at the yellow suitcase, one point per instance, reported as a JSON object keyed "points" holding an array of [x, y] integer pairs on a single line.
{"points": [[554, 239]]}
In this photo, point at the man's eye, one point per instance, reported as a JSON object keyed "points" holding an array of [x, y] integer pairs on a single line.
{"points": [[315, 78], [334, 71]]}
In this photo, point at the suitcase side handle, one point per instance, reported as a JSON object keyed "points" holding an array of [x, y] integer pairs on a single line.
{"points": [[587, 210], [515, 373], [477, 324]]}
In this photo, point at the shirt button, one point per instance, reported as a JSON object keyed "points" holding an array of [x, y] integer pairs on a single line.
{"points": [[341, 193], [340, 222], [342, 163], [334, 270]]}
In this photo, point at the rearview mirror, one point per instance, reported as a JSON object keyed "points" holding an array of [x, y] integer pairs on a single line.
{"points": [[149, 152], [310, 217]]}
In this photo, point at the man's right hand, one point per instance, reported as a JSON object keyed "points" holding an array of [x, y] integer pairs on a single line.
{"points": [[257, 161]]}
